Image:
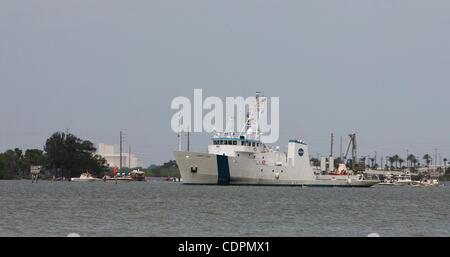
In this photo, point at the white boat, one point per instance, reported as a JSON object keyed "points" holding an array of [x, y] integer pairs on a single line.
{"points": [[84, 177], [137, 175], [241, 158], [429, 182], [405, 180], [388, 181]]}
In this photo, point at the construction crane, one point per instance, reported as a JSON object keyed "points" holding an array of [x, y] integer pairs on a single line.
{"points": [[355, 165]]}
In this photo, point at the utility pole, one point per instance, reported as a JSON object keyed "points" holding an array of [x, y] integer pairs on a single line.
{"points": [[407, 155], [188, 142], [445, 165], [332, 142], [354, 152], [129, 157], [375, 158], [435, 157], [120, 149]]}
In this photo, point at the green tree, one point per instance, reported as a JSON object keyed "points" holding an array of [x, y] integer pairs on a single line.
{"points": [[168, 169], [315, 162], [373, 164], [412, 159], [35, 157], [12, 163], [427, 159], [391, 160], [15, 161], [396, 160], [71, 155], [400, 161], [5, 172]]}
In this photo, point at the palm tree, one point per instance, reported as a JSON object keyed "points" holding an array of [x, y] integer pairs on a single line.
{"points": [[372, 161], [396, 159], [400, 161], [391, 160], [412, 159], [427, 158]]}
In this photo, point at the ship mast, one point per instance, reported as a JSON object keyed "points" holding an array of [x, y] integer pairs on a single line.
{"points": [[179, 132], [253, 117], [258, 108]]}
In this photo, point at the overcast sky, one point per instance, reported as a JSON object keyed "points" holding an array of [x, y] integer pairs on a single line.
{"points": [[377, 68]]}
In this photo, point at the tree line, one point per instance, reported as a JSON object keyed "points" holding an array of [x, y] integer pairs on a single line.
{"points": [[392, 162], [63, 155]]}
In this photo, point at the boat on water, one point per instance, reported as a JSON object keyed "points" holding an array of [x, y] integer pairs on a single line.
{"points": [[84, 177], [403, 179], [388, 181], [429, 182], [137, 175], [241, 158], [118, 179], [406, 180]]}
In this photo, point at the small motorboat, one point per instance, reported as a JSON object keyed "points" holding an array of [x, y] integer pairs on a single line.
{"points": [[401, 180], [429, 182], [137, 175], [84, 177], [388, 181], [405, 180]]}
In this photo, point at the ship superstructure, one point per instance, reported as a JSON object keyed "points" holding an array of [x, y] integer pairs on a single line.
{"points": [[241, 158]]}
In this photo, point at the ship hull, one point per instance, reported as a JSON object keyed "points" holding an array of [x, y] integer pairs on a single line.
{"points": [[210, 169]]}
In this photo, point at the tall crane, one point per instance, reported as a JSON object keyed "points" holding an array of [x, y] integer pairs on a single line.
{"points": [[356, 166]]}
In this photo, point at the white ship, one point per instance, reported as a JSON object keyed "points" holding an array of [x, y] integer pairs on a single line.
{"points": [[240, 158]]}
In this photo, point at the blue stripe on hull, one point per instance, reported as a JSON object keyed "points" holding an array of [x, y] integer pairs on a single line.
{"points": [[223, 170]]}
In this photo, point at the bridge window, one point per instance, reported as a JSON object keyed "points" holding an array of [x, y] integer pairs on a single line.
{"points": [[242, 142], [253, 144], [234, 142]]}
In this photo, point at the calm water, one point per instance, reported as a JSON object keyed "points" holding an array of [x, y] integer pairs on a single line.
{"points": [[173, 209]]}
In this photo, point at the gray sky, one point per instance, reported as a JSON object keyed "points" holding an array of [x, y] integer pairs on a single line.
{"points": [[379, 68]]}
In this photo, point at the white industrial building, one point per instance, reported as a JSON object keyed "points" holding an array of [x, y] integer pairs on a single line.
{"points": [[112, 155]]}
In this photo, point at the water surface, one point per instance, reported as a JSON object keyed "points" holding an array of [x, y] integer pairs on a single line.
{"points": [[172, 209]]}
